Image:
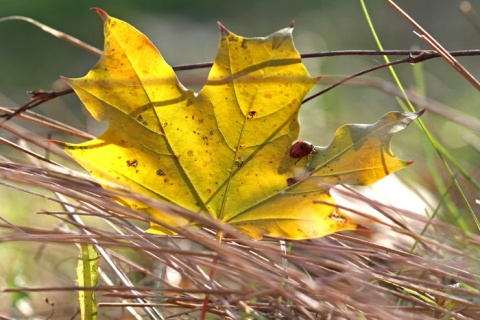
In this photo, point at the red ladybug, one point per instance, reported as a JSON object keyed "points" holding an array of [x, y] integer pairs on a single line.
{"points": [[301, 149]]}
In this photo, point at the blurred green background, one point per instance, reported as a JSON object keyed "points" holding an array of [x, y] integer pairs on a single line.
{"points": [[186, 32]]}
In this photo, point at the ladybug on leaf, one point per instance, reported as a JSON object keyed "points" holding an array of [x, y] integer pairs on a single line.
{"points": [[301, 149]]}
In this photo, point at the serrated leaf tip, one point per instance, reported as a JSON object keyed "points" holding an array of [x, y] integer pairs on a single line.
{"points": [[223, 30], [65, 79], [101, 13]]}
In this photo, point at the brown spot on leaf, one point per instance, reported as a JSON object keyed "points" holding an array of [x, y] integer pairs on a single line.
{"points": [[238, 163], [251, 114], [336, 217], [291, 181], [132, 163]]}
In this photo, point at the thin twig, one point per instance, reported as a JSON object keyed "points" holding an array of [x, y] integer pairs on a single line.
{"points": [[431, 105], [38, 98], [415, 56], [411, 59]]}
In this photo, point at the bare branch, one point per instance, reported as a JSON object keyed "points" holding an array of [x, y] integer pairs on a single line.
{"points": [[414, 56]]}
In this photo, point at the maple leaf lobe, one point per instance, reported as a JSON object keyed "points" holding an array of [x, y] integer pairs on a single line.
{"points": [[101, 13]]}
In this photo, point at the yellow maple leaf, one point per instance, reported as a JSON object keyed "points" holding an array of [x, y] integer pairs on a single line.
{"points": [[225, 151]]}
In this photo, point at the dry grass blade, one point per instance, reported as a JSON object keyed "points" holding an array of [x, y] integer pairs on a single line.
{"points": [[431, 105], [56, 33], [337, 276], [425, 36]]}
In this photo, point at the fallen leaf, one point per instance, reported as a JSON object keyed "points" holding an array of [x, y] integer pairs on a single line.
{"points": [[224, 152]]}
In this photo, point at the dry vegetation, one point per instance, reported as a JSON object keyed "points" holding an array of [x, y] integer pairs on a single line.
{"points": [[344, 275], [405, 266]]}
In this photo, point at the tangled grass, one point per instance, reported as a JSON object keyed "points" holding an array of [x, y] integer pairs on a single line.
{"points": [[430, 270]]}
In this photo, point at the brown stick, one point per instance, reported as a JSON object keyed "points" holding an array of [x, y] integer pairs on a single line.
{"points": [[211, 277]]}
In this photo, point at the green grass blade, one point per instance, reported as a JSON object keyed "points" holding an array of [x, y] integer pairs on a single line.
{"points": [[87, 276], [441, 151]]}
